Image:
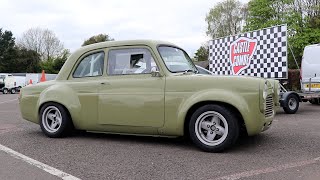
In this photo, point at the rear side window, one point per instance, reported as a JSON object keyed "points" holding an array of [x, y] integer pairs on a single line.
{"points": [[312, 54], [130, 61], [90, 66]]}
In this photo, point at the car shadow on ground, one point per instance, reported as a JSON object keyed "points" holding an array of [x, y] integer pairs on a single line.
{"points": [[244, 142]]}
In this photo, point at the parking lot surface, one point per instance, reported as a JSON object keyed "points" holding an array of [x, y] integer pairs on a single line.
{"points": [[289, 150]]}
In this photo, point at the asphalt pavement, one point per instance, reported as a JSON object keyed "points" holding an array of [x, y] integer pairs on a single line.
{"points": [[289, 150]]}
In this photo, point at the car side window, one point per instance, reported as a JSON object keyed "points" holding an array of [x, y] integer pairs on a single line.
{"points": [[130, 61], [90, 66]]}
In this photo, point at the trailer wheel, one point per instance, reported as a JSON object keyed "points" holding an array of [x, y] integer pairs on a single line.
{"points": [[13, 91], [314, 101], [291, 104], [5, 91]]}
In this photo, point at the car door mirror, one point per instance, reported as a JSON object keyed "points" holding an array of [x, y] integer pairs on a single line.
{"points": [[155, 72]]}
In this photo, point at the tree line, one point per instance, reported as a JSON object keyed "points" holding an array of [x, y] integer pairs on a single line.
{"points": [[36, 50], [231, 17]]}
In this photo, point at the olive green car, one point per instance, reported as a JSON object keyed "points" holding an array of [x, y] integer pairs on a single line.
{"points": [[148, 88]]}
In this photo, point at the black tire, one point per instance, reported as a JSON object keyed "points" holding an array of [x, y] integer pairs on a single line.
{"points": [[13, 91], [314, 101], [65, 127], [227, 140], [291, 104], [5, 91]]}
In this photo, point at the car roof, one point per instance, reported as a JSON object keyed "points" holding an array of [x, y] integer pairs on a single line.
{"points": [[313, 45], [65, 70], [122, 43]]}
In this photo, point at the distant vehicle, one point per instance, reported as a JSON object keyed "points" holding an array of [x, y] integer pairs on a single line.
{"points": [[310, 70], [8, 84], [202, 70], [20, 82]]}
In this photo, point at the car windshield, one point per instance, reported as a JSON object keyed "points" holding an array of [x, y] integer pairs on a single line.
{"points": [[176, 59], [2, 76]]}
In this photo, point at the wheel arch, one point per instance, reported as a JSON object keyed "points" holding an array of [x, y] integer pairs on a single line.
{"points": [[64, 96], [197, 105], [287, 94]]}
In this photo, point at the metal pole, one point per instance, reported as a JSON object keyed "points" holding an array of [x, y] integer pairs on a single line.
{"points": [[293, 56]]}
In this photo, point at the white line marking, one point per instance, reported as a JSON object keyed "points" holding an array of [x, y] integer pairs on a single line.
{"points": [[8, 101], [269, 170], [38, 164]]}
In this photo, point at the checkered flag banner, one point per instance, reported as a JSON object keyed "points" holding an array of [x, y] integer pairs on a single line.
{"points": [[261, 53]]}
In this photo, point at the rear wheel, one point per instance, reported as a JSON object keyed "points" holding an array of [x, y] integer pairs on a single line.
{"points": [[213, 128], [314, 101], [13, 91], [291, 104], [55, 120], [5, 91]]}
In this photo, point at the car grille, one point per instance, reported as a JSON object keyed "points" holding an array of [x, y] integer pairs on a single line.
{"points": [[269, 106]]}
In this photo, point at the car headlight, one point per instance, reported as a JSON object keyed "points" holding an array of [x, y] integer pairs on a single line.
{"points": [[265, 90]]}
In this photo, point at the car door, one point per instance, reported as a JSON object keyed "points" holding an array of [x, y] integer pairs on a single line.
{"points": [[85, 81], [130, 95]]}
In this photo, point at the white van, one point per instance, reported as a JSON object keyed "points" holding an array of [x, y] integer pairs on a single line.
{"points": [[310, 69], [8, 83]]}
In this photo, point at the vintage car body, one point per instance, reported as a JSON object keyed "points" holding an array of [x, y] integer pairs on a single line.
{"points": [[157, 104]]}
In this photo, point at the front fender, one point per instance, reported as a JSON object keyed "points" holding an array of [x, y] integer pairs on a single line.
{"points": [[64, 95], [238, 100]]}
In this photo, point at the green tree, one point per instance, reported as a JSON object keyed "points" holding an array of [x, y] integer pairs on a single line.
{"points": [[43, 41], [59, 61], [25, 61], [7, 42], [53, 65], [98, 38], [225, 19], [301, 16], [202, 53]]}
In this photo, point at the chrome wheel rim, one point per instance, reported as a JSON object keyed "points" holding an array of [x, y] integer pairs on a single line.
{"points": [[51, 119], [292, 103], [211, 128]]}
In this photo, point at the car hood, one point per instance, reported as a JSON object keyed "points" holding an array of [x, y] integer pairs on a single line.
{"points": [[198, 82]]}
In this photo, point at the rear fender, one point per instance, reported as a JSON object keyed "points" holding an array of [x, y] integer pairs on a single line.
{"points": [[63, 95]]}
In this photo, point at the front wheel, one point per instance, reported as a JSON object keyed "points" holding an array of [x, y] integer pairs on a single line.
{"points": [[5, 91], [213, 128], [55, 120], [292, 104]]}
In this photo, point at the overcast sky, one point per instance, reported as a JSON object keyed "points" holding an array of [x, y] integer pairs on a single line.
{"points": [[179, 21]]}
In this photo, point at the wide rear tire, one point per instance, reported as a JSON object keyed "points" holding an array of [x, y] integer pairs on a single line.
{"points": [[213, 128], [55, 120]]}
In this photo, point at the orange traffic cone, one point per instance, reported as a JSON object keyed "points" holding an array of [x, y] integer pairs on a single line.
{"points": [[30, 81], [43, 77]]}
